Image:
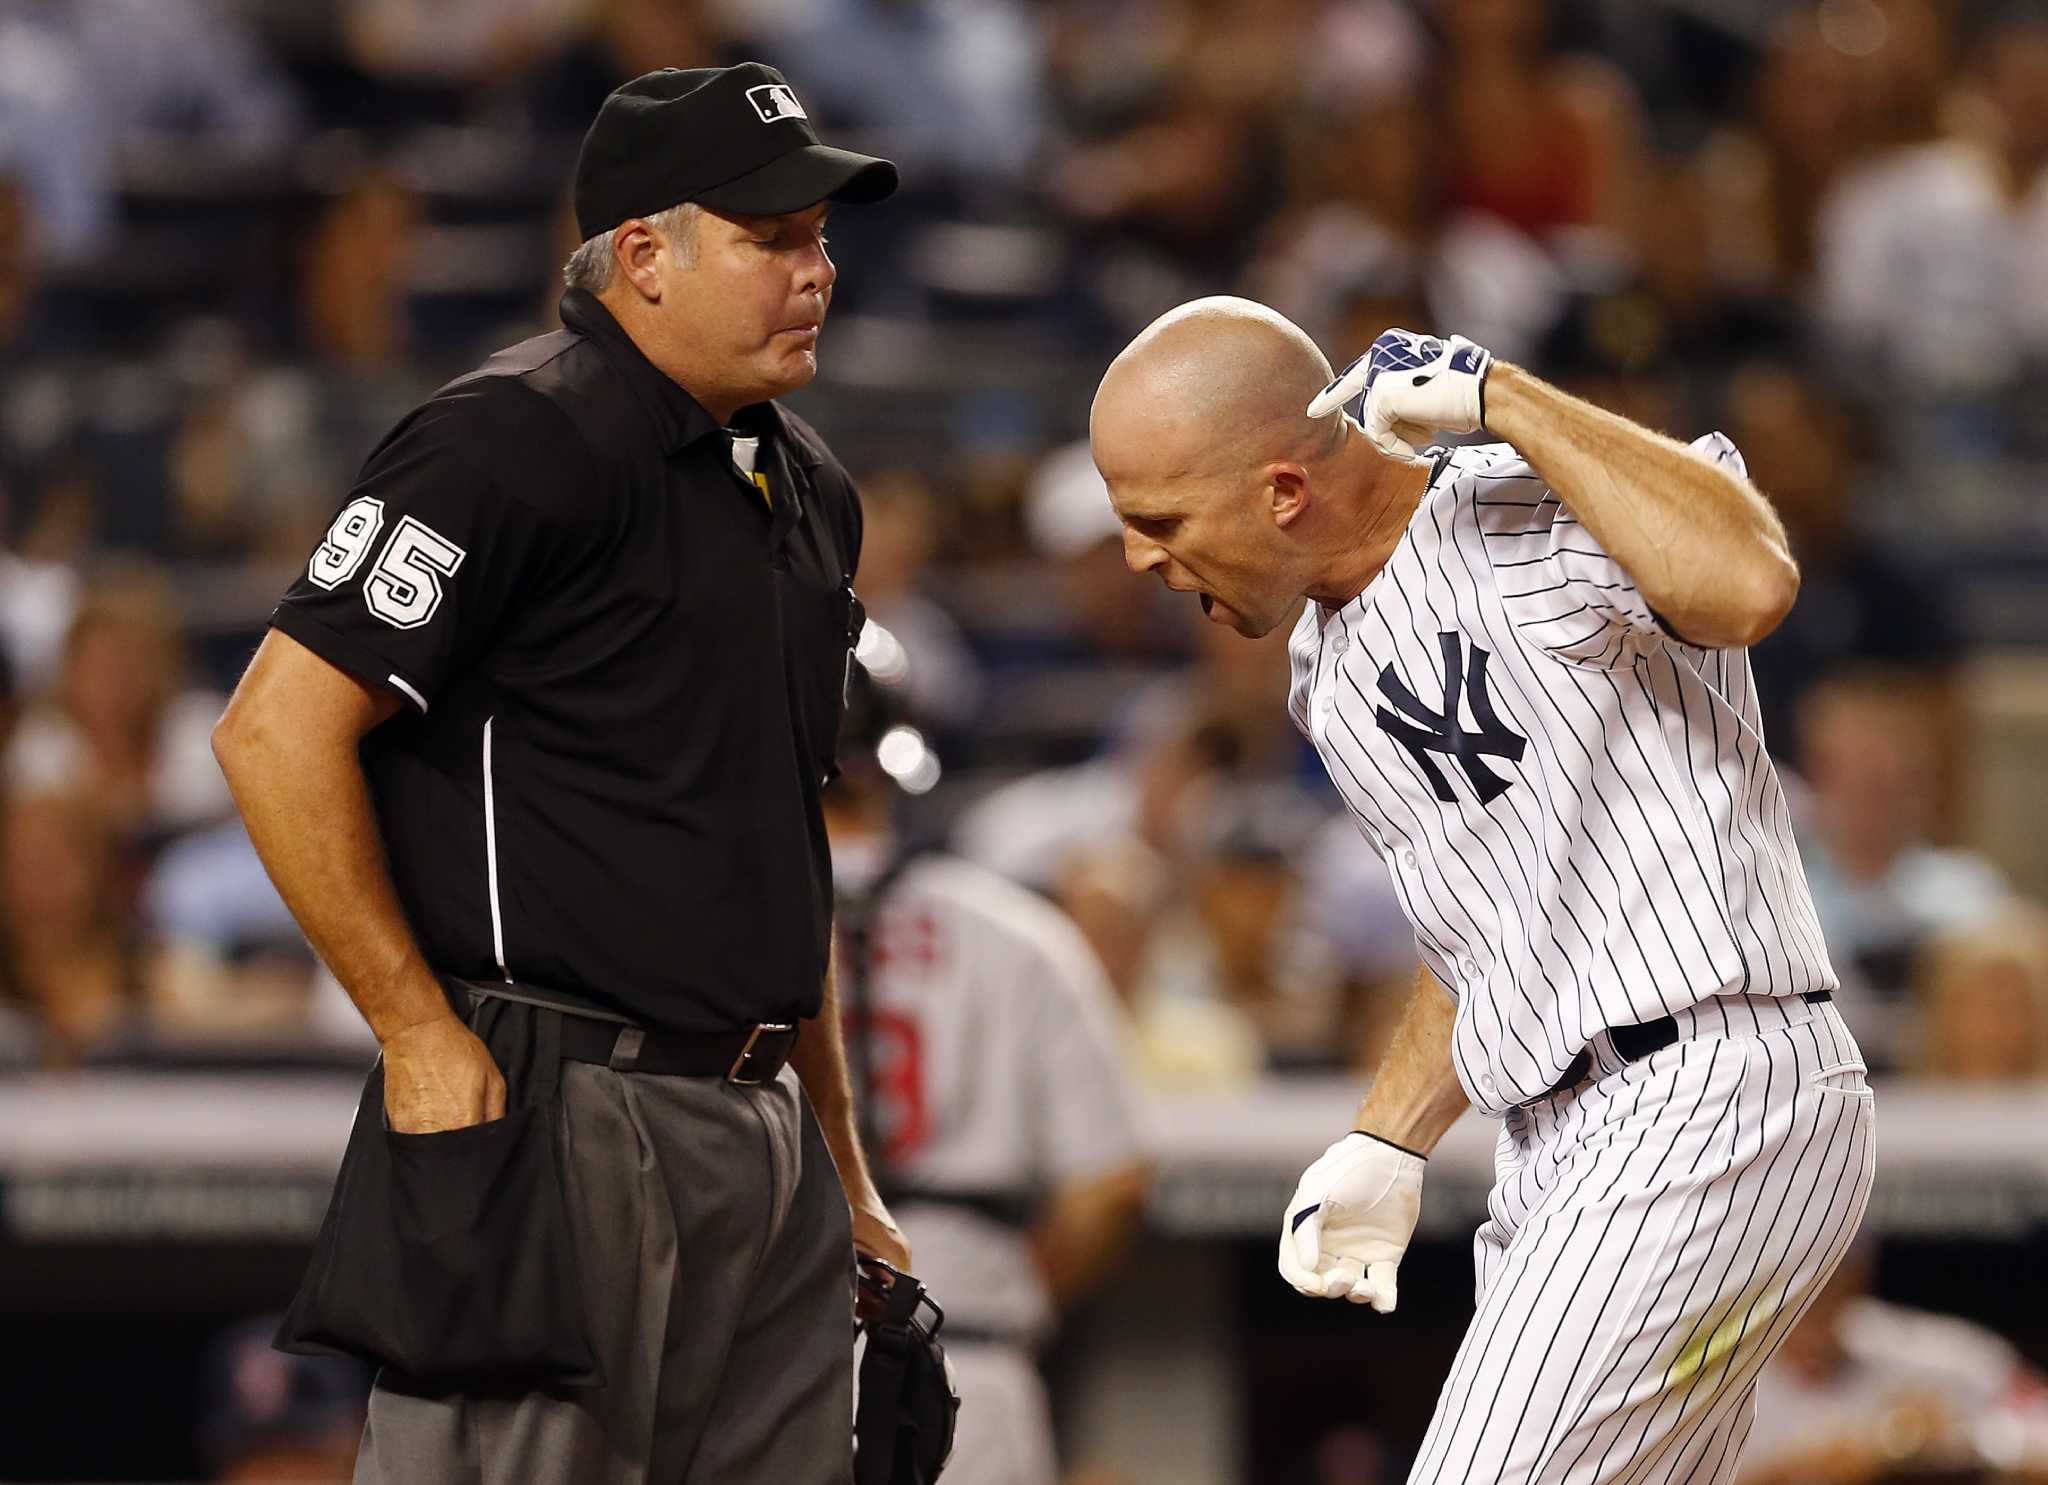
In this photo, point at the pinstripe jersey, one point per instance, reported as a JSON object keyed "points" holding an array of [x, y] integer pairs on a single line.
{"points": [[1576, 808]]}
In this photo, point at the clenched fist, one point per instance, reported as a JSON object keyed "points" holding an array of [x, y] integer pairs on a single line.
{"points": [[1350, 1221]]}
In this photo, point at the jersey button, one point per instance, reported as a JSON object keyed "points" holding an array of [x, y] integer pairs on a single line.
{"points": [[1470, 969], [1408, 859], [1486, 1084]]}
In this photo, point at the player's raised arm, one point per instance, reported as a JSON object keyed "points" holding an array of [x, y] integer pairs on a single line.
{"points": [[1703, 545], [1700, 542]]}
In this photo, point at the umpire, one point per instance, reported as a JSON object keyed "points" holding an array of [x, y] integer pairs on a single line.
{"points": [[534, 751]]}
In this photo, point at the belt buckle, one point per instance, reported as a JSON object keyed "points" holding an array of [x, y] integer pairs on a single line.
{"points": [[734, 1074]]}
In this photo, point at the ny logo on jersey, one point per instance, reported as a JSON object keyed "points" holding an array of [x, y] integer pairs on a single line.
{"points": [[1429, 732]]}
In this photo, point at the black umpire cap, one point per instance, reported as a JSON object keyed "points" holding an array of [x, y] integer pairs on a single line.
{"points": [[734, 139]]}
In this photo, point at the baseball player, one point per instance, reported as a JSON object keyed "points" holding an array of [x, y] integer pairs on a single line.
{"points": [[1002, 1101], [1523, 665]]}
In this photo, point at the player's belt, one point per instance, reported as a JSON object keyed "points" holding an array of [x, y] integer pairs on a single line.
{"points": [[1635, 1042], [747, 1056]]}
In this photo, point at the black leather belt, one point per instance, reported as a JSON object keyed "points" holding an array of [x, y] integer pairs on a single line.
{"points": [[1634, 1043], [754, 1055]]}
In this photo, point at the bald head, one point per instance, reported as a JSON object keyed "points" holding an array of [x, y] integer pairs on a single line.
{"points": [[1212, 386]]}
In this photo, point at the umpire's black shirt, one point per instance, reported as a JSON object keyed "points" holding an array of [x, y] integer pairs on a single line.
{"points": [[623, 665]]}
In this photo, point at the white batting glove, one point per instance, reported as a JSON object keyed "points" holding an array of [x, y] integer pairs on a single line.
{"points": [[1350, 1221], [1412, 385]]}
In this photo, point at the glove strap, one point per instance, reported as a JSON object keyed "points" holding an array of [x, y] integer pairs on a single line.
{"points": [[1391, 1145]]}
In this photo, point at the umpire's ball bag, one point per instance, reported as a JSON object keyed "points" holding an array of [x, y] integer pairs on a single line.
{"points": [[448, 1256]]}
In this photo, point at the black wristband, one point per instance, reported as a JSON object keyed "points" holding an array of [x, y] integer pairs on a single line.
{"points": [[1391, 1145]]}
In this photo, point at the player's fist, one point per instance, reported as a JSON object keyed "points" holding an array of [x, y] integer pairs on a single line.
{"points": [[1350, 1221], [1412, 385]]}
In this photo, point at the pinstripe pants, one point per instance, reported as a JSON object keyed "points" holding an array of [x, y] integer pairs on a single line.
{"points": [[1653, 1235]]}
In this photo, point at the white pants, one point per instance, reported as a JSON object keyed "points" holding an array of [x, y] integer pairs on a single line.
{"points": [[1005, 1434], [1654, 1234]]}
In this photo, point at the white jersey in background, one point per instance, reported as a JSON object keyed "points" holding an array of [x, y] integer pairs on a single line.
{"points": [[1576, 808], [999, 1073]]}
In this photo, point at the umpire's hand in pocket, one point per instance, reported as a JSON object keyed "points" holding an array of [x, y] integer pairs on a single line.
{"points": [[439, 1076]]}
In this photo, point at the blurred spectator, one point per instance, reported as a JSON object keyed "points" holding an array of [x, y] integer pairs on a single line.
{"points": [[1114, 891], [1543, 142], [621, 40], [266, 1418], [354, 272], [956, 87], [1151, 790], [120, 724], [1167, 164], [1863, 1391], [1931, 256], [67, 952], [17, 1032], [1984, 1000], [10, 700], [457, 41], [1070, 522], [1617, 350], [1353, 906], [235, 966], [1236, 980], [1657, 343], [901, 518], [36, 596], [1355, 244], [255, 461], [37, 603], [1813, 112], [1857, 603], [82, 79], [17, 260], [1879, 887]]}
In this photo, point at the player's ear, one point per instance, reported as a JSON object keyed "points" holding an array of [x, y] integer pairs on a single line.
{"points": [[1287, 495]]}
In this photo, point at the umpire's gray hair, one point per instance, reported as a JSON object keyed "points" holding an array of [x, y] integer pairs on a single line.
{"points": [[591, 266]]}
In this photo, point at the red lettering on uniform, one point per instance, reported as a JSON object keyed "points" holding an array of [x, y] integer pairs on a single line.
{"points": [[895, 1052]]}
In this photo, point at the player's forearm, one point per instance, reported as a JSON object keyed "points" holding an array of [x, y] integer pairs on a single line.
{"points": [[820, 1063], [307, 809], [1415, 1094], [1085, 1229], [1701, 543]]}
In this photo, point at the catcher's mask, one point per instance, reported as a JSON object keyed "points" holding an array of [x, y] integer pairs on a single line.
{"points": [[903, 1428]]}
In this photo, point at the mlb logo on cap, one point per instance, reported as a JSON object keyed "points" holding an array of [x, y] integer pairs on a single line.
{"points": [[774, 101], [682, 134]]}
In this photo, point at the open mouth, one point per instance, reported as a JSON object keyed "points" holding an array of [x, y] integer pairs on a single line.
{"points": [[1208, 604]]}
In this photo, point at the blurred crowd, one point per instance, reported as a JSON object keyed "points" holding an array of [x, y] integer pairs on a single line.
{"points": [[238, 238]]}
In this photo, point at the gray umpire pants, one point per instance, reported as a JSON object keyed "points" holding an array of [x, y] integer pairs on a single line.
{"points": [[717, 1260]]}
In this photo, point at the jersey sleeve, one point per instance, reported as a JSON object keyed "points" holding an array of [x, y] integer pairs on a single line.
{"points": [[1574, 601], [428, 552]]}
